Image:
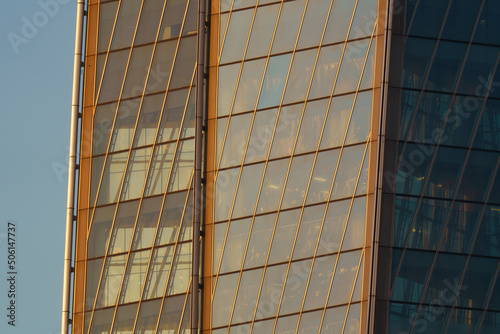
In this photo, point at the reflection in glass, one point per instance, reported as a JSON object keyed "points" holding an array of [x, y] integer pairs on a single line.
{"points": [[343, 280], [259, 243], [236, 241]]}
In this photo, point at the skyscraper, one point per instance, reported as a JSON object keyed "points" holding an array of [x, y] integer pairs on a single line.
{"points": [[335, 172]]}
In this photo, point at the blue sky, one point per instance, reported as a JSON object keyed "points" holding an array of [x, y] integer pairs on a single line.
{"points": [[35, 100]]}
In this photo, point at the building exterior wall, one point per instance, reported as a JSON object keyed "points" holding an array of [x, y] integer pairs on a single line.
{"points": [[351, 153], [133, 256], [439, 255], [290, 138]]}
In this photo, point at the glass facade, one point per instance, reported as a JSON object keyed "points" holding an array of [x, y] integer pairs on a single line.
{"points": [[289, 164], [133, 256], [350, 159], [439, 260]]}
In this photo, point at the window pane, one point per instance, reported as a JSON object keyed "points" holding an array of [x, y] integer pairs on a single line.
{"points": [[262, 31], [170, 221], [148, 120], [326, 71], [333, 227], [236, 35], [260, 238], [136, 174], [298, 178], [147, 223], [99, 231], [288, 26], [274, 80], [172, 19], [223, 299], [236, 139], [284, 236], [249, 85], [247, 296], [236, 242], [355, 230], [320, 282], [295, 286], [134, 277], [125, 318], [314, 23], [319, 189], [260, 138], [286, 130], [311, 126], [272, 187], [309, 228], [111, 280], [126, 24], [248, 190], [123, 227], [271, 286], [300, 76], [336, 121], [137, 71], [343, 280]]}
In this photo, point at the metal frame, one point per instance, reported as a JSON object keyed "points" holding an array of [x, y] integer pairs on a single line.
{"points": [[72, 169], [198, 165]]}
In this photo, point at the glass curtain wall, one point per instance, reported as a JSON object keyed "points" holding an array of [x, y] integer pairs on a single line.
{"points": [[441, 204], [133, 256], [288, 164]]}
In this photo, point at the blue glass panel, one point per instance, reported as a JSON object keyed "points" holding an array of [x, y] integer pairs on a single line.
{"points": [[412, 168], [417, 54], [425, 127], [489, 24], [488, 133], [478, 69], [475, 286], [491, 323], [464, 321], [412, 275], [396, 258], [404, 211], [426, 231], [445, 172], [431, 318], [446, 66], [461, 121], [428, 18], [488, 238], [477, 175], [495, 191], [445, 278], [409, 100], [461, 20], [401, 318], [458, 233]]}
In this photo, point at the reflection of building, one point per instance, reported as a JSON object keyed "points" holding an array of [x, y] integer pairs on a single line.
{"points": [[343, 192]]}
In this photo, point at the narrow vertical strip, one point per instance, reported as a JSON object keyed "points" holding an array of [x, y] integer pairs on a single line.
{"points": [[70, 210], [386, 19], [200, 75]]}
